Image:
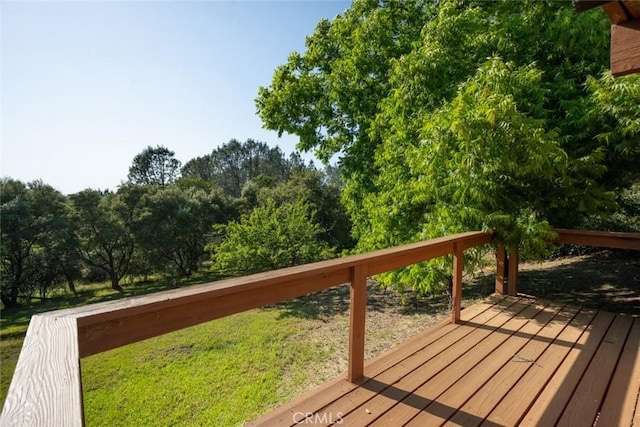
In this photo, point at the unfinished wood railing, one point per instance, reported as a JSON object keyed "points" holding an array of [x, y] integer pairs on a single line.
{"points": [[47, 389]]}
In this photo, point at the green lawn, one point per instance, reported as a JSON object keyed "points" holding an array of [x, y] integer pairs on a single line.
{"points": [[219, 373]]}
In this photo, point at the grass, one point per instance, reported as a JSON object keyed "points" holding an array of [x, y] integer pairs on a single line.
{"points": [[219, 373]]}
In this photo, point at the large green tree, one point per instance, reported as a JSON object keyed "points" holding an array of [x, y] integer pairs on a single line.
{"points": [[270, 237], [458, 115], [34, 220], [233, 164], [172, 225], [103, 227], [154, 165]]}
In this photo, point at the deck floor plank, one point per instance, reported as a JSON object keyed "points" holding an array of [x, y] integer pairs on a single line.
{"points": [[462, 391], [510, 339], [491, 393], [618, 408], [437, 375], [586, 400], [451, 344], [511, 409], [550, 404], [512, 361]]}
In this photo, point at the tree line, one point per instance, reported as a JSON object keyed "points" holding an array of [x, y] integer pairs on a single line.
{"points": [[245, 207]]}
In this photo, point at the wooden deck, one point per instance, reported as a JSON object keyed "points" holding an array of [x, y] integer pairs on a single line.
{"points": [[512, 361]]}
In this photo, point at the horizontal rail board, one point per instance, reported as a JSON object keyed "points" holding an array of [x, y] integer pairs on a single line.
{"points": [[97, 335], [601, 239], [46, 388], [108, 325]]}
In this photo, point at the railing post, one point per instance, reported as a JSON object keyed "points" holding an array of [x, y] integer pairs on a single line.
{"points": [[458, 263], [512, 280], [357, 322], [500, 260]]}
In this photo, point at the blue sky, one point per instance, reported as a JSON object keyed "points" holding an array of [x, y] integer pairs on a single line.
{"points": [[85, 86]]}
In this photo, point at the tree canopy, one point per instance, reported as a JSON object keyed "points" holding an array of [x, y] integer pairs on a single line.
{"points": [[454, 115], [154, 165], [270, 237], [33, 223], [233, 164], [172, 225]]}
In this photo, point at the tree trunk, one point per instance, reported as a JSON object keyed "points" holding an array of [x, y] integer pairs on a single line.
{"points": [[6, 300], [14, 294], [115, 283], [72, 287]]}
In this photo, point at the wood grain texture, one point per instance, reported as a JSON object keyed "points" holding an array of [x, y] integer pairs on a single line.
{"points": [[458, 265], [425, 367], [625, 48], [602, 239], [618, 407], [467, 374], [46, 389], [501, 255], [524, 393], [615, 12], [357, 316], [551, 402], [586, 400]]}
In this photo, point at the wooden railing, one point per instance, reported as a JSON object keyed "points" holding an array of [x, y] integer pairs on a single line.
{"points": [[47, 389], [599, 239]]}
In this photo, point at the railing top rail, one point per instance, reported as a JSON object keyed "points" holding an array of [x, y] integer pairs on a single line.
{"points": [[379, 261], [603, 239]]}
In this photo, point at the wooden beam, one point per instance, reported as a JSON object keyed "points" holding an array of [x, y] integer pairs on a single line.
{"points": [[584, 5], [501, 255], [615, 12], [601, 239], [633, 6], [357, 316], [46, 389], [625, 48], [456, 298], [512, 280]]}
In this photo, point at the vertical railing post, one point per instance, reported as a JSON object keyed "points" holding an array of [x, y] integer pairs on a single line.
{"points": [[458, 264], [512, 279], [357, 322], [500, 260]]}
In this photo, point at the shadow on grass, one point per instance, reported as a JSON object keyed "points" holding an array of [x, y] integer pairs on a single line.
{"points": [[334, 301]]}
